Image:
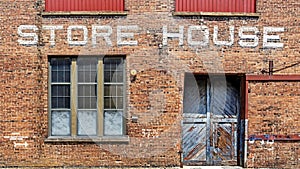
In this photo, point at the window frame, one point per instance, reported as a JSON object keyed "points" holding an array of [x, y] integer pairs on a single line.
{"points": [[74, 135]]}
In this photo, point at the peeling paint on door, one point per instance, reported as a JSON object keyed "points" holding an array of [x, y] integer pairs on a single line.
{"points": [[211, 120]]}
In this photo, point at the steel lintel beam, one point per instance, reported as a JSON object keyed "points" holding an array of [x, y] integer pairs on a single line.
{"points": [[272, 77]]}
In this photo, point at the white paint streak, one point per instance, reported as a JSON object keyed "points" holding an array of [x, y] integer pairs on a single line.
{"points": [[20, 144]]}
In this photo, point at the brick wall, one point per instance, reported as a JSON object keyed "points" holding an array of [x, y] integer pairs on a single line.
{"points": [[156, 95]]}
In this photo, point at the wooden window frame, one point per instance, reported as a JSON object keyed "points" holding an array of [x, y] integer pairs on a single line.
{"points": [[74, 136]]}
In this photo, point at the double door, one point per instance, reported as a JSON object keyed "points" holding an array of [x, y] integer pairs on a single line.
{"points": [[211, 125]]}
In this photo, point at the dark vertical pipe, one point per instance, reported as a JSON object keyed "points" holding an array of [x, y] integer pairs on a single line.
{"points": [[271, 67]]}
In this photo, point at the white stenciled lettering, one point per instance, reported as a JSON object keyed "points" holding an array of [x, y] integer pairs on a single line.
{"points": [[121, 35], [223, 43], [33, 36], [70, 36], [269, 40], [167, 35], [247, 40], [52, 32], [205, 32], [106, 35]]}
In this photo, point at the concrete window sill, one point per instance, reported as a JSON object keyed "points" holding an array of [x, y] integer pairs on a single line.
{"points": [[228, 14], [78, 139], [84, 13]]}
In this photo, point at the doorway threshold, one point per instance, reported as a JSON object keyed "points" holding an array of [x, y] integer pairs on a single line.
{"points": [[212, 167]]}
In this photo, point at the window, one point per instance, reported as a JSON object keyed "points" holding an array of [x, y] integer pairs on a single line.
{"points": [[86, 96], [84, 5], [235, 6]]}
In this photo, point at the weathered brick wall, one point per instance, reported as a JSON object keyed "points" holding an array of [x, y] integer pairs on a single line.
{"points": [[157, 93], [274, 110], [20, 84]]}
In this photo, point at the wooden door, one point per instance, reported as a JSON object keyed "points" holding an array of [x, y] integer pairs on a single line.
{"points": [[210, 120]]}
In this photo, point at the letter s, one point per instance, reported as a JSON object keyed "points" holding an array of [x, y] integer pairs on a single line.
{"points": [[33, 36]]}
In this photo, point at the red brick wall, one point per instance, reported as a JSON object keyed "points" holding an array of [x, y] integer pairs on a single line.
{"points": [[157, 93]]}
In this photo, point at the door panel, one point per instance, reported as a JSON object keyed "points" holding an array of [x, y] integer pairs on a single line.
{"points": [[194, 141], [210, 120]]}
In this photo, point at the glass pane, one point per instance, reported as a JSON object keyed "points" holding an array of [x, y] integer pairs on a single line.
{"points": [[60, 76], [113, 123], [107, 103], [60, 123], [80, 75], [87, 69], [87, 123], [87, 64], [60, 90], [87, 90], [60, 102], [60, 70], [119, 102], [93, 102], [81, 102], [107, 90], [87, 76], [117, 76], [107, 76], [60, 64], [87, 102], [113, 64], [119, 90]]}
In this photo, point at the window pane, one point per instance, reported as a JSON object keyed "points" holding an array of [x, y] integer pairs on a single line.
{"points": [[87, 102], [119, 90], [107, 103], [87, 76], [87, 69], [117, 76], [113, 123], [60, 64], [112, 64], [87, 123], [87, 90], [60, 90], [60, 123], [119, 102], [60, 102], [107, 90], [107, 76], [60, 70]]}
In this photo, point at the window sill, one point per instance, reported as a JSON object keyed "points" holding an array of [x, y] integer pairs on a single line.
{"points": [[84, 13], [104, 139], [230, 14]]}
